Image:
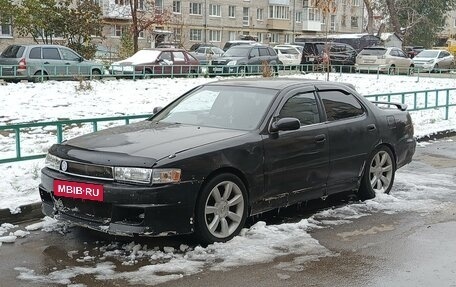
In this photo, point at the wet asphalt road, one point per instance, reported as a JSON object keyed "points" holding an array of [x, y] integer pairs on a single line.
{"points": [[402, 249]]}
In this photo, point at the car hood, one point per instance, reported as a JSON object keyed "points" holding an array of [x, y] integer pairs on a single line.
{"points": [[416, 59], [151, 140]]}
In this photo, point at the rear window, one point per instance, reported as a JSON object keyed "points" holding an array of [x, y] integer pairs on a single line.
{"points": [[289, 51], [13, 51], [373, 52]]}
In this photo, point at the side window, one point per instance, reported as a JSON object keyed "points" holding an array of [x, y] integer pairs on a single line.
{"points": [[339, 105], [35, 53], [51, 54], [401, 54], [303, 107], [393, 53], [179, 57], [272, 52], [166, 58], [69, 55], [264, 52], [254, 52]]}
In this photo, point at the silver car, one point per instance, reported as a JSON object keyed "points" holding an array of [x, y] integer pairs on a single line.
{"points": [[433, 61], [44, 62], [389, 60]]}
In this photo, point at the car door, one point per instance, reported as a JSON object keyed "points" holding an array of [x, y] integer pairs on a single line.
{"points": [[254, 60], [165, 64], [180, 65], [405, 61], [445, 60], [73, 63], [296, 162], [52, 62], [352, 134]]}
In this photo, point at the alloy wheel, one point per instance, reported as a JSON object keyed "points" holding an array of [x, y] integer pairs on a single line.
{"points": [[381, 172]]}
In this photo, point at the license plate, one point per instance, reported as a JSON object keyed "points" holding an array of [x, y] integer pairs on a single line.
{"points": [[7, 67], [369, 61], [311, 59], [78, 190], [218, 69]]}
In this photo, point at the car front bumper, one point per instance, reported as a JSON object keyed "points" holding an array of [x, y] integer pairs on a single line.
{"points": [[126, 210]]}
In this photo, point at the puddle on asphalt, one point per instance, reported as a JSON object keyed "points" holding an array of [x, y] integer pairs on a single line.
{"points": [[346, 236]]}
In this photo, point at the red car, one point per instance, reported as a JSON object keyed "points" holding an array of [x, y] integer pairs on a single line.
{"points": [[160, 61]]}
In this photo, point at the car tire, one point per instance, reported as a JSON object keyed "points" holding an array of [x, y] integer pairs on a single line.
{"points": [[221, 209], [147, 74], [378, 174], [96, 74], [40, 76], [435, 69], [242, 71], [392, 70]]}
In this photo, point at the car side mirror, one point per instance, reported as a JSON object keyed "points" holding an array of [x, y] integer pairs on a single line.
{"points": [[285, 124], [156, 110], [81, 59]]}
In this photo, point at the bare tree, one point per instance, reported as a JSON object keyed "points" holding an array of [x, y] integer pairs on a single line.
{"points": [[146, 17], [327, 7], [394, 16], [370, 17]]}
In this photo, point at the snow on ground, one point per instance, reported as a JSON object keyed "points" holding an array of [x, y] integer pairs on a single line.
{"points": [[31, 102], [260, 243]]}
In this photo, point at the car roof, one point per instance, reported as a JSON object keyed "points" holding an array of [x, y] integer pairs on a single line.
{"points": [[164, 49], [274, 83]]}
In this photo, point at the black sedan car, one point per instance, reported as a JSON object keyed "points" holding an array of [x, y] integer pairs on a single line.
{"points": [[225, 151]]}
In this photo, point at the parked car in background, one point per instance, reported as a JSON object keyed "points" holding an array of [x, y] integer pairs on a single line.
{"points": [[244, 60], [288, 55], [198, 45], [205, 55], [389, 60], [44, 62], [412, 51], [433, 60], [225, 151], [233, 43], [156, 62], [340, 55]]}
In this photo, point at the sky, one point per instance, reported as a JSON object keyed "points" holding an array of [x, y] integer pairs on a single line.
{"points": [[261, 243]]}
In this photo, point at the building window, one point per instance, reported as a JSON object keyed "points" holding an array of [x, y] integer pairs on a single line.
{"points": [[287, 38], [279, 12], [343, 22], [119, 30], [214, 10], [354, 22], [196, 9], [96, 2], [196, 34], [177, 6], [215, 36], [6, 28], [177, 33], [232, 11], [159, 5], [122, 2], [355, 2], [260, 37], [274, 38], [298, 17], [245, 16], [332, 24], [260, 13], [232, 35]]}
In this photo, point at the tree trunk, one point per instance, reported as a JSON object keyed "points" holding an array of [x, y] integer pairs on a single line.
{"points": [[370, 17], [394, 19], [134, 20]]}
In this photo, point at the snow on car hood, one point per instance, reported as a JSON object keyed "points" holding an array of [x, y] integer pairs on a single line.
{"points": [[142, 56], [152, 140]]}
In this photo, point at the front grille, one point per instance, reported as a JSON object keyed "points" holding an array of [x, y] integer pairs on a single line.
{"points": [[89, 170]]}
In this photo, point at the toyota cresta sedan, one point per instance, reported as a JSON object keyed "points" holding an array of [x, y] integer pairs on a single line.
{"points": [[225, 151]]}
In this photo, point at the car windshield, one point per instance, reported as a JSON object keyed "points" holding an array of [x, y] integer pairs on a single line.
{"points": [[13, 51], [428, 54], [237, 51], [373, 52], [225, 107]]}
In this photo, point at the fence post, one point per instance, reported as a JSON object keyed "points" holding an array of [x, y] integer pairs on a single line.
{"points": [[18, 142], [447, 104], [95, 126], [59, 133]]}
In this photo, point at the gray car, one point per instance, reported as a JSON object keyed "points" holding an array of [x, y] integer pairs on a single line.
{"points": [[245, 60], [44, 62]]}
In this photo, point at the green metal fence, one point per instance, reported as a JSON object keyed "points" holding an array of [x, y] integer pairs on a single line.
{"points": [[416, 100]]}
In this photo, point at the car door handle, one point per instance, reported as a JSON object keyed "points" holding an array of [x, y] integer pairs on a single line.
{"points": [[46, 63], [371, 127], [67, 63], [320, 139]]}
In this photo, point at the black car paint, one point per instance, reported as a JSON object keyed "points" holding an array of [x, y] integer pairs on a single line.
{"points": [[271, 164]]}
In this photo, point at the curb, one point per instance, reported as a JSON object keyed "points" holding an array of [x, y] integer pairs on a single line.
{"points": [[28, 212], [33, 211]]}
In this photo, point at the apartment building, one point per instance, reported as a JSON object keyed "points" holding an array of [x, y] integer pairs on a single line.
{"points": [[218, 21]]}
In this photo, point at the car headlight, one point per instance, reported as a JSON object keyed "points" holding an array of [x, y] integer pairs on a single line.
{"points": [[52, 162], [231, 63], [133, 174], [166, 175]]}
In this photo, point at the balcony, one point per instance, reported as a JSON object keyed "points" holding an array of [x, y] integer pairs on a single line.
{"points": [[278, 24], [309, 25]]}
